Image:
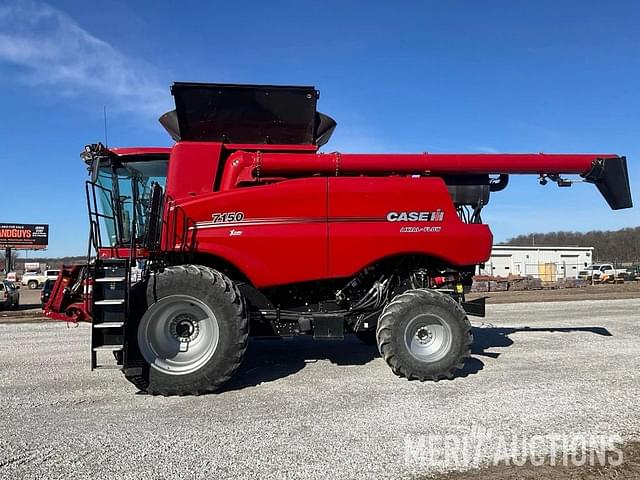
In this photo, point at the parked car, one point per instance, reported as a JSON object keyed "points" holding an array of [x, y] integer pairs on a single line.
{"points": [[46, 291], [9, 295], [634, 272], [34, 280]]}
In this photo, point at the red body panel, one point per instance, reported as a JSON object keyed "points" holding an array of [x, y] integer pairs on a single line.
{"points": [[315, 228], [121, 252], [192, 168], [360, 233], [282, 237]]}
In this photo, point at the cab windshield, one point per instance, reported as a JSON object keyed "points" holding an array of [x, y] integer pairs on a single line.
{"points": [[125, 198]]}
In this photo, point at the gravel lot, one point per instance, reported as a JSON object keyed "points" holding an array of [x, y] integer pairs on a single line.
{"points": [[590, 292], [300, 409]]}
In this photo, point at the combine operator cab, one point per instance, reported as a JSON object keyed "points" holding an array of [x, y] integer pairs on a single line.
{"points": [[243, 227], [124, 200], [124, 197]]}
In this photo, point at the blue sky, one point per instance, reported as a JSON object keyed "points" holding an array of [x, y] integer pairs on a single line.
{"points": [[458, 76]]}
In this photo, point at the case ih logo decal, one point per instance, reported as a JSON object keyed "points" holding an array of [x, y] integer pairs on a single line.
{"points": [[434, 216]]}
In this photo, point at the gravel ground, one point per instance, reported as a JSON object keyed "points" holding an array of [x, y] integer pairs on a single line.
{"points": [[324, 410]]}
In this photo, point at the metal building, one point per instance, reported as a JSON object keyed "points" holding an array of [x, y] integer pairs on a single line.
{"points": [[545, 263]]}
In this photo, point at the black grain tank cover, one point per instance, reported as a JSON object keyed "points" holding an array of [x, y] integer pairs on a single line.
{"points": [[246, 114]]}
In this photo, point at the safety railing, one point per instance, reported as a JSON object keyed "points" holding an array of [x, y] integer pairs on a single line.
{"points": [[178, 229]]}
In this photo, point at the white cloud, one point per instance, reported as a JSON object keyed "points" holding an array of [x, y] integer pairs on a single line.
{"points": [[355, 139], [484, 149], [51, 50]]}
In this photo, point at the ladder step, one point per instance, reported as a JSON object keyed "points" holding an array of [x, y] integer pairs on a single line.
{"points": [[108, 367], [108, 325], [109, 279], [110, 302], [108, 348], [112, 261]]}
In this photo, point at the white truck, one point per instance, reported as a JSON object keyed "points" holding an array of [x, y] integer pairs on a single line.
{"points": [[604, 272], [34, 280]]}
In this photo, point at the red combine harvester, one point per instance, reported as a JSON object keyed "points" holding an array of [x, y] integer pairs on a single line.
{"points": [[243, 228]]}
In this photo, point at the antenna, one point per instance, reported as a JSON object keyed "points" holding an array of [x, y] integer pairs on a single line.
{"points": [[104, 114]]}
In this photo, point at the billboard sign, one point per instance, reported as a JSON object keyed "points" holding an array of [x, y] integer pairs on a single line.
{"points": [[31, 266], [24, 235]]}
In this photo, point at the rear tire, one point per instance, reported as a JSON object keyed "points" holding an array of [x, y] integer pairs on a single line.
{"points": [[193, 335], [424, 335], [32, 284]]}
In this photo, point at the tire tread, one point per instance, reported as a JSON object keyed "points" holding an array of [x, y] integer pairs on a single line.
{"points": [[139, 375], [385, 333]]}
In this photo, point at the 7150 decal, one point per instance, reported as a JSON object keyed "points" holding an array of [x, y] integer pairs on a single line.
{"points": [[227, 217]]}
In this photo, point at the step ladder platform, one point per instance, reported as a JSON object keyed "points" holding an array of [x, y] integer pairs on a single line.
{"points": [[108, 348], [117, 301], [109, 279], [109, 305], [108, 325], [108, 367]]}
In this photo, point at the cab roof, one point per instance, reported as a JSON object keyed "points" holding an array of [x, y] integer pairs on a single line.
{"points": [[129, 151]]}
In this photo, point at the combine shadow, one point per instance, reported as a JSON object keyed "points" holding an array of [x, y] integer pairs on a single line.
{"points": [[485, 338], [23, 307], [270, 359], [27, 306]]}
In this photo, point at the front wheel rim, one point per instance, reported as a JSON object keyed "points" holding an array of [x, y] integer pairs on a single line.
{"points": [[428, 338], [178, 334]]}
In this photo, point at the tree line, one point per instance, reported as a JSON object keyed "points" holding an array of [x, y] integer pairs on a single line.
{"points": [[19, 259], [619, 246]]}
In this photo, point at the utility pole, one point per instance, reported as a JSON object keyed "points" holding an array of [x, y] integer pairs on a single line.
{"points": [[8, 263]]}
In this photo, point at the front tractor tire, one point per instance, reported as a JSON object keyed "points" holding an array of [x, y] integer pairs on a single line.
{"points": [[194, 334], [424, 335]]}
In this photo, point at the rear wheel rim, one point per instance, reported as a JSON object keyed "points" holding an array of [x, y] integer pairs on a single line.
{"points": [[428, 338], [178, 334]]}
